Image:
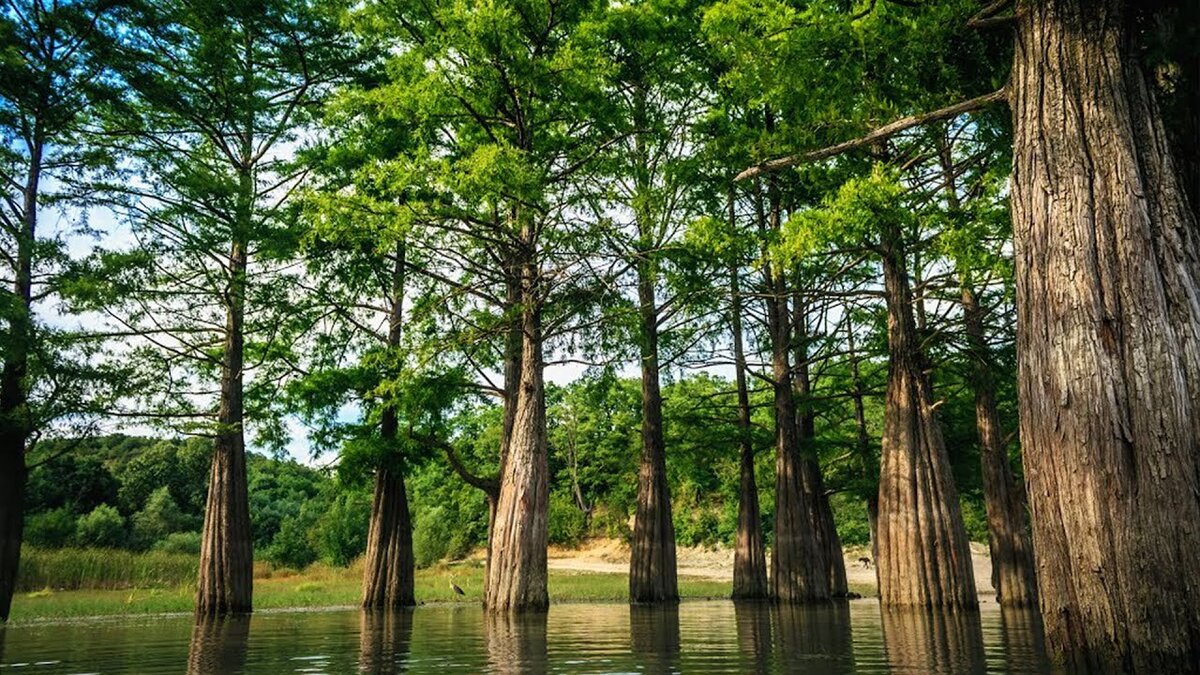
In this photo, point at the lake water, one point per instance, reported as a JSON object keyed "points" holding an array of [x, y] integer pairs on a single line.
{"points": [[696, 637]]}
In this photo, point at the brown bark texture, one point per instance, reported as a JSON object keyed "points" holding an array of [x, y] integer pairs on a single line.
{"points": [[749, 554], [1108, 343], [1009, 541], [922, 557], [226, 549], [814, 483], [652, 572], [516, 573]]}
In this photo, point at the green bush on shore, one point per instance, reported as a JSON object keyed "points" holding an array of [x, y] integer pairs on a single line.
{"points": [[103, 568]]}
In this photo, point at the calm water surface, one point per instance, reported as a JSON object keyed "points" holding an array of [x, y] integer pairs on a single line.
{"points": [[696, 637]]}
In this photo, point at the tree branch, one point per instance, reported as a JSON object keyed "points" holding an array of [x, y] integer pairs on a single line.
{"points": [[885, 131]]}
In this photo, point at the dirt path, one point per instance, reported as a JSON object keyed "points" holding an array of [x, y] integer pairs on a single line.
{"points": [[611, 556]]}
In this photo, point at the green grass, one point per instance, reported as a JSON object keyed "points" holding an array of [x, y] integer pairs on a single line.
{"points": [[96, 568], [321, 586]]}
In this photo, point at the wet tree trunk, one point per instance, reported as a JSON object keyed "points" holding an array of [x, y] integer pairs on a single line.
{"points": [[1108, 343], [15, 424], [749, 556], [652, 574], [798, 569], [388, 564], [814, 483], [226, 549], [516, 574], [1013, 575], [923, 556]]}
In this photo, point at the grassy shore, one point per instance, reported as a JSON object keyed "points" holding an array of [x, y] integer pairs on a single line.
{"points": [[321, 586]]}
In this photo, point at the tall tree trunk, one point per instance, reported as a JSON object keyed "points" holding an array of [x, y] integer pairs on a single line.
{"points": [[1108, 343], [516, 574], [749, 556], [923, 555], [15, 424], [389, 566], [814, 483], [652, 574], [798, 569], [1013, 575], [867, 463], [226, 549]]}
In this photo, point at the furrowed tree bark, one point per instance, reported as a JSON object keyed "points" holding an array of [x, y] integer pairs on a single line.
{"points": [[749, 556], [516, 574], [923, 557], [1108, 343], [1013, 575], [14, 416], [870, 468], [226, 549], [814, 483], [388, 564], [652, 573], [798, 569]]}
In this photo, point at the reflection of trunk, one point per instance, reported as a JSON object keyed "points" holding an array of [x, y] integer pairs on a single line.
{"points": [[1108, 342], [923, 557], [1012, 553], [384, 641], [814, 484], [516, 574], [654, 638], [516, 643], [749, 557], [14, 419], [918, 640], [218, 645], [798, 569], [388, 565], [226, 555], [753, 620], [652, 575], [813, 633]]}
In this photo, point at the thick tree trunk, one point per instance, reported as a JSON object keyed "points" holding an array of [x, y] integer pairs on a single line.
{"points": [[1108, 343], [814, 483], [226, 549], [923, 557], [749, 556], [388, 565], [516, 574], [798, 568], [1013, 575], [15, 425], [652, 574]]}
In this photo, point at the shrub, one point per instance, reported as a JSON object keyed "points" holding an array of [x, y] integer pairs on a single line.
{"points": [[342, 530], [160, 517], [102, 528], [291, 546], [179, 542], [566, 523], [52, 529]]}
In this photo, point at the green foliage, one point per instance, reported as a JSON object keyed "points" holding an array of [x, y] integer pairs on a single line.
{"points": [[104, 527], [50, 529], [75, 568], [566, 522], [341, 531], [292, 545], [160, 517], [179, 542]]}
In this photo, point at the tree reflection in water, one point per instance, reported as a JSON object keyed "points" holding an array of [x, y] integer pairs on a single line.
{"points": [[924, 641], [753, 619], [654, 637], [813, 634], [218, 645], [516, 641], [384, 639]]}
